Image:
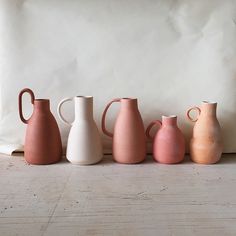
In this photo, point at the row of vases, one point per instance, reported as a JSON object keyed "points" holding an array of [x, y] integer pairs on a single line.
{"points": [[43, 142]]}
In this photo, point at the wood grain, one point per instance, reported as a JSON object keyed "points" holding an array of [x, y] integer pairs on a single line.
{"points": [[115, 199]]}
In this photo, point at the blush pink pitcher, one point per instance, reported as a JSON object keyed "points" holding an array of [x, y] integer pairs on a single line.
{"points": [[129, 141], [206, 144], [169, 143]]}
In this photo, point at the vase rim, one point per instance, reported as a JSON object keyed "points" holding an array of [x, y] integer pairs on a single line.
{"points": [[82, 96], [41, 100], [129, 98], [208, 102], [170, 116]]}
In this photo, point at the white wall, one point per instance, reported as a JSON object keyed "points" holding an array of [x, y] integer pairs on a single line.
{"points": [[169, 54]]}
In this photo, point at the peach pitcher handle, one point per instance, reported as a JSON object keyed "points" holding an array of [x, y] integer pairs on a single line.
{"points": [[191, 109], [155, 122], [105, 131]]}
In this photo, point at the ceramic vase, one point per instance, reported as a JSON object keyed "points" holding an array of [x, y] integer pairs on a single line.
{"points": [[168, 142], [42, 140], [84, 146], [206, 144], [129, 142]]}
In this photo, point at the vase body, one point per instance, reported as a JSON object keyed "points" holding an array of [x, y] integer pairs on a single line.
{"points": [[169, 142], [206, 144], [42, 140], [129, 141], [84, 146]]}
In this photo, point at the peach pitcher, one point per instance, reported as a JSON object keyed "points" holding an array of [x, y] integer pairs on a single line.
{"points": [[206, 144]]}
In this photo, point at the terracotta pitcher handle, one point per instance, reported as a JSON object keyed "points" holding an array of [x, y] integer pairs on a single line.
{"points": [[105, 131], [59, 110], [196, 109], [26, 90], [155, 122]]}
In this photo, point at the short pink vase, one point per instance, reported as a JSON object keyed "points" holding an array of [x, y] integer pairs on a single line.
{"points": [[169, 142], [129, 141]]}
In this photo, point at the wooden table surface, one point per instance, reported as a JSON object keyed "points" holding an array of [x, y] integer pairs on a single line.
{"points": [[115, 199]]}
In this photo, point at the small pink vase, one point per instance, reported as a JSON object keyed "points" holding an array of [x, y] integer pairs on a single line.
{"points": [[129, 141], [169, 142]]}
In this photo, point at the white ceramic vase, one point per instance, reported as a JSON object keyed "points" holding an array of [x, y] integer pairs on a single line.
{"points": [[84, 146]]}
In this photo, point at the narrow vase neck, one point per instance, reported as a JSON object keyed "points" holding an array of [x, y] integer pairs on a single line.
{"points": [[129, 103], [169, 120], [42, 105], [83, 108], [208, 109]]}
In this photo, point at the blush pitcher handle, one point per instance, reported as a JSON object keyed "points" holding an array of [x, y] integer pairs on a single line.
{"points": [[26, 90], [191, 109], [105, 131], [59, 110], [155, 122]]}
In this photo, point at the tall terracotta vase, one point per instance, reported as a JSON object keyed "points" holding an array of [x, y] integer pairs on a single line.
{"points": [[169, 143], [206, 145], [129, 144], [42, 140], [84, 146]]}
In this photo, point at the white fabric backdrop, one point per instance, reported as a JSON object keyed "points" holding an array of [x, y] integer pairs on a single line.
{"points": [[170, 54]]}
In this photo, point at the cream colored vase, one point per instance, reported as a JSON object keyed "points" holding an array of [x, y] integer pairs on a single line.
{"points": [[84, 146], [206, 145]]}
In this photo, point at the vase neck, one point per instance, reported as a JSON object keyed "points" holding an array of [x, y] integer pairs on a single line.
{"points": [[208, 108], [169, 120], [129, 103], [42, 105], [83, 107]]}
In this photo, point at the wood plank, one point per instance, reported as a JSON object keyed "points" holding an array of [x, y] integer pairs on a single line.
{"points": [[115, 199]]}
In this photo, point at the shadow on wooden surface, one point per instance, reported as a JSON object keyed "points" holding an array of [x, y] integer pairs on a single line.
{"points": [[108, 160]]}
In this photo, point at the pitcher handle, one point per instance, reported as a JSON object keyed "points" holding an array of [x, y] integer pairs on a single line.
{"points": [[26, 90], [155, 122], [196, 109], [59, 110], [105, 131]]}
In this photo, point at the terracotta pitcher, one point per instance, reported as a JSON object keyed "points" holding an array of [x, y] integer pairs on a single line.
{"points": [[206, 145], [169, 143], [42, 140], [84, 144], [129, 144]]}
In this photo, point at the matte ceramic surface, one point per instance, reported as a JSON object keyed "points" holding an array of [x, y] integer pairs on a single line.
{"points": [[42, 139], [206, 145], [129, 146], [84, 144], [169, 143]]}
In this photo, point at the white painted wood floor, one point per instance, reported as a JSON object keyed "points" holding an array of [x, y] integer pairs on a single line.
{"points": [[114, 199]]}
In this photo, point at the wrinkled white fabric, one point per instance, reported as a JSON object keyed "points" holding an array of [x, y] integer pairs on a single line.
{"points": [[169, 54]]}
